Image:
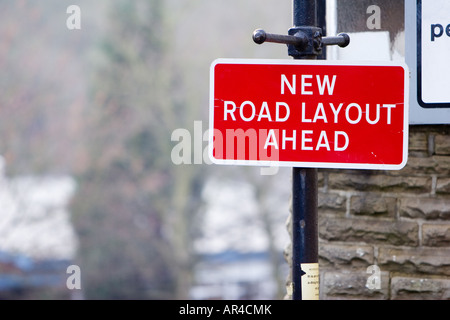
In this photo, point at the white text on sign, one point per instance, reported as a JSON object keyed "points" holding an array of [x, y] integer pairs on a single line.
{"points": [[351, 113]]}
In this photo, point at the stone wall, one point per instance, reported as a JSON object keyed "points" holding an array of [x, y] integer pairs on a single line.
{"points": [[396, 220]]}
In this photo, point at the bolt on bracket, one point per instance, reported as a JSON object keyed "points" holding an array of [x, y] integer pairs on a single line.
{"points": [[302, 41]]}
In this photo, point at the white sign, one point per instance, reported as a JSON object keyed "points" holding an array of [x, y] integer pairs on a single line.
{"points": [[427, 26], [434, 53]]}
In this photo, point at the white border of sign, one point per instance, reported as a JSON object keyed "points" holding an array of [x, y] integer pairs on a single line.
{"points": [[418, 114], [308, 164]]}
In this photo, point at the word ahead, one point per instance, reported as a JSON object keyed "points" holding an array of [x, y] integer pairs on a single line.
{"points": [[308, 114]]}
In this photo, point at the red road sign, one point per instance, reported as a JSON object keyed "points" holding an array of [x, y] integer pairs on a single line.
{"points": [[317, 114]]}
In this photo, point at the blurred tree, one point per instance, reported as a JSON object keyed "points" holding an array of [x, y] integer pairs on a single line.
{"points": [[42, 88], [135, 210]]}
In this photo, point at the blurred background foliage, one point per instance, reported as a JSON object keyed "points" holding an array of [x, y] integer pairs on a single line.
{"points": [[101, 103]]}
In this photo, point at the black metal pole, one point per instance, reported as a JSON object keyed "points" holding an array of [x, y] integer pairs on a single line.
{"points": [[305, 41], [305, 233], [305, 13], [304, 225]]}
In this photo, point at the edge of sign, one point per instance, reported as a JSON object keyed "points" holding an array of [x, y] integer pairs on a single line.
{"points": [[407, 74], [322, 165], [307, 62], [211, 111]]}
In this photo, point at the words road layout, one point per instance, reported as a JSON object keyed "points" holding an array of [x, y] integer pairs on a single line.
{"points": [[309, 114]]}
